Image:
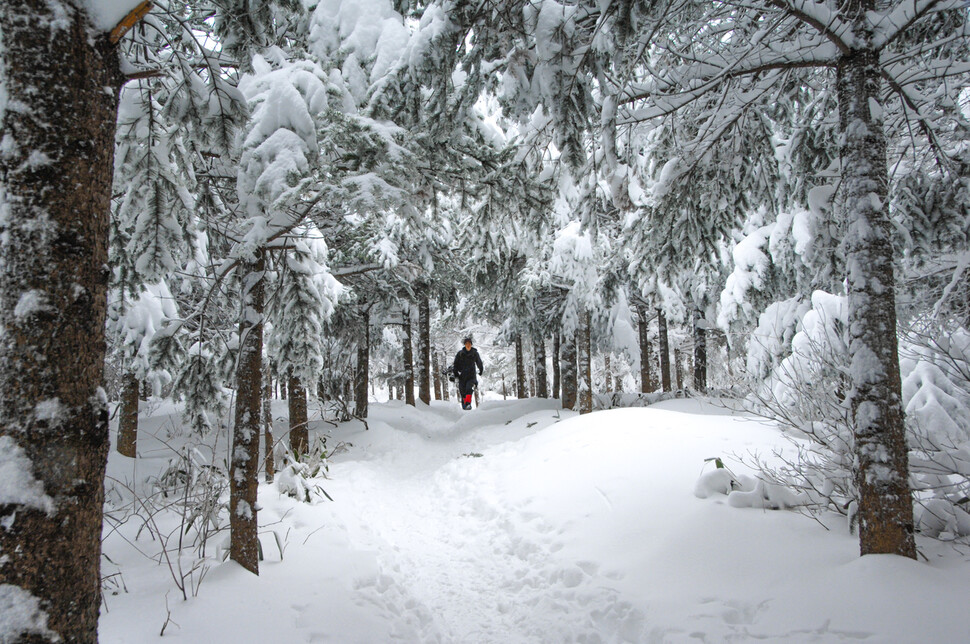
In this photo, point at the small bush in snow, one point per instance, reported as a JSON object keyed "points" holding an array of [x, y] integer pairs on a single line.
{"points": [[300, 475]]}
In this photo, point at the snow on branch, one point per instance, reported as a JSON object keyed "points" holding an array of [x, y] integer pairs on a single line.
{"points": [[917, 107], [669, 95], [888, 26], [819, 16]]}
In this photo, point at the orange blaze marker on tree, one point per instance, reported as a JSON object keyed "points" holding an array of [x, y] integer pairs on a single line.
{"points": [[130, 21]]}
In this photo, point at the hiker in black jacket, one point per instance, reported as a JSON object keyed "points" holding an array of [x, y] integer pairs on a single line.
{"points": [[465, 363]]}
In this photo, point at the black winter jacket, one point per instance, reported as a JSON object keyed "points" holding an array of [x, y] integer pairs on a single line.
{"points": [[465, 362]]}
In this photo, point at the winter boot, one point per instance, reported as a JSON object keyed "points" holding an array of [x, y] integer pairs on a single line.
{"points": [[468, 402]]}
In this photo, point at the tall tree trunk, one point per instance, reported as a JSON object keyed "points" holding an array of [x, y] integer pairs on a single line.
{"points": [[269, 461], [436, 370], [282, 388], [678, 368], [424, 349], [363, 367], [408, 360], [700, 352], [520, 385], [244, 467], [568, 370], [646, 381], [607, 373], [55, 182], [299, 433], [664, 350], [882, 474], [585, 383], [542, 377], [556, 380], [128, 419], [445, 384]]}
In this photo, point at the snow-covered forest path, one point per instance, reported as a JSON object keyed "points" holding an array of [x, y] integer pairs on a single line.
{"points": [[458, 562], [503, 525]]}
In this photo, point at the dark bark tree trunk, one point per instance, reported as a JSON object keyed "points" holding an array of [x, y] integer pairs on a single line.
{"points": [[678, 368], [646, 381], [269, 461], [700, 352], [363, 367], [882, 475], [244, 467], [520, 385], [664, 350], [56, 186], [424, 350], [607, 374], [556, 380], [128, 419], [299, 433], [585, 383], [445, 384], [568, 370], [282, 388], [408, 360], [542, 376], [436, 370]]}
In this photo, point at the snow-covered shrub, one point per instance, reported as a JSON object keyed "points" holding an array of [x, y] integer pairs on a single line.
{"points": [[181, 508], [197, 486], [300, 475], [806, 395], [935, 365]]}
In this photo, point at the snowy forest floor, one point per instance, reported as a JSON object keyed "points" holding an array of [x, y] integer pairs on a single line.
{"points": [[504, 524]]}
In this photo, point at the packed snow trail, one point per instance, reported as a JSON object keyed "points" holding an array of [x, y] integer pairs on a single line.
{"points": [[505, 526], [454, 555]]}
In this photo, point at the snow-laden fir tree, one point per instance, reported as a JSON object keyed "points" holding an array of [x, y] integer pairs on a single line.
{"points": [[304, 300], [877, 56]]}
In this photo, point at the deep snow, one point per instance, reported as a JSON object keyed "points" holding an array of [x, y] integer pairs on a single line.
{"points": [[584, 530]]}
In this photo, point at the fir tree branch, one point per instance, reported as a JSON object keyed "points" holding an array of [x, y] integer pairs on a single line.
{"points": [[942, 159], [920, 8], [813, 21]]}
